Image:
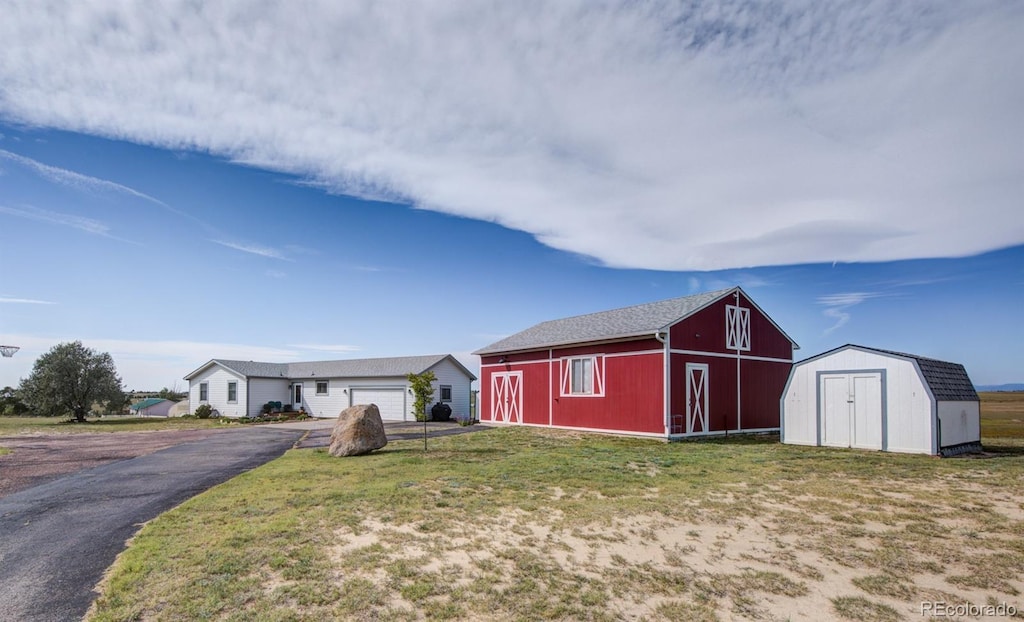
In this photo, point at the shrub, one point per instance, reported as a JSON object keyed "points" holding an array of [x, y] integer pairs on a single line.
{"points": [[204, 411]]}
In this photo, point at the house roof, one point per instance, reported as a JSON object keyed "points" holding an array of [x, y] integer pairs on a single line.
{"points": [[634, 321], [948, 382], [349, 368], [146, 403]]}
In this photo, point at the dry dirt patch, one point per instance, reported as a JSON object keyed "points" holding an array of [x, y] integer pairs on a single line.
{"points": [[38, 458]]}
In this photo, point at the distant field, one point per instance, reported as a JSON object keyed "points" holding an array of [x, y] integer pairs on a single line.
{"points": [[10, 426], [1002, 415]]}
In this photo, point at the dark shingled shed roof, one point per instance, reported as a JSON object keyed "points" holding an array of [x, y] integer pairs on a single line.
{"points": [[949, 382]]}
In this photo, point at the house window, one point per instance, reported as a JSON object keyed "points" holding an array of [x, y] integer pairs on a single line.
{"points": [[321, 387], [583, 375], [737, 328], [232, 392], [446, 392], [204, 392]]}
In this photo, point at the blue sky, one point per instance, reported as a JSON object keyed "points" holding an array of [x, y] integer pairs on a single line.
{"points": [[388, 180]]}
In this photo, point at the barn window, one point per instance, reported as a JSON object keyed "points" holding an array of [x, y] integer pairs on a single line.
{"points": [[446, 392], [737, 328], [321, 387], [583, 375], [204, 392], [232, 392]]}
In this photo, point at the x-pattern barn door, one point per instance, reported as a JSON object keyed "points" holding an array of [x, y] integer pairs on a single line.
{"points": [[696, 398], [507, 397]]}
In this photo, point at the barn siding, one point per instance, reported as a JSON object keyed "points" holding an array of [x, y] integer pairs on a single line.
{"points": [[763, 383], [705, 331], [633, 397]]}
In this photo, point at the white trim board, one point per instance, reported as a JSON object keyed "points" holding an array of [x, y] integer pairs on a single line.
{"points": [[742, 357]]}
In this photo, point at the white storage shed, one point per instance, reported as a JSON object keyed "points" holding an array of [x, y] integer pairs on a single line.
{"points": [[861, 397]]}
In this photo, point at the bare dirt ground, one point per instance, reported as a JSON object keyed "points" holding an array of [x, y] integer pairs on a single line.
{"points": [[39, 458]]}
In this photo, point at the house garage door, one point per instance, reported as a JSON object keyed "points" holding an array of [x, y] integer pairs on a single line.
{"points": [[391, 402]]}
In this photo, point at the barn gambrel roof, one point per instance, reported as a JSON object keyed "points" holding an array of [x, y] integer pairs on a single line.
{"points": [[396, 366], [948, 382], [635, 321]]}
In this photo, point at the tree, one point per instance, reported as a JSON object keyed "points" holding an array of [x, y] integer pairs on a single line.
{"points": [[423, 391], [171, 394], [10, 404], [69, 379]]}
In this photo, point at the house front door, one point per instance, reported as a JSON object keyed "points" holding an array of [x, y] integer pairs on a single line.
{"points": [[297, 395]]}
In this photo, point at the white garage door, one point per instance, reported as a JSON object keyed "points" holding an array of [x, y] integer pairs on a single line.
{"points": [[391, 402]]}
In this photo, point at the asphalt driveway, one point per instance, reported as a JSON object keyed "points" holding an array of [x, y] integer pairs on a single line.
{"points": [[58, 538]]}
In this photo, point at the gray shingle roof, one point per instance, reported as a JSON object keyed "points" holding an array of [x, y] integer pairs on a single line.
{"points": [[351, 368], [617, 323], [366, 368], [255, 369]]}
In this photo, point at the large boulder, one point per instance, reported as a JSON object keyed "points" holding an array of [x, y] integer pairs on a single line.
{"points": [[359, 430]]}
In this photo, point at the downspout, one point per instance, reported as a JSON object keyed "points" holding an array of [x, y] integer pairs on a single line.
{"points": [[551, 389], [667, 392]]}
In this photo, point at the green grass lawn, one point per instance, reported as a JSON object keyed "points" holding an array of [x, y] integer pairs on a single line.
{"points": [[525, 524], [10, 426]]}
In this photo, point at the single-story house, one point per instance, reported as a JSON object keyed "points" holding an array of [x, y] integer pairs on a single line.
{"points": [[855, 396], [325, 388], [711, 363], [151, 407]]}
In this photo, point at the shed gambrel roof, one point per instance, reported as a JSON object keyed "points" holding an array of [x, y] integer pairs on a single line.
{"points": [[636, 321], [948, 382], [351, 368]]}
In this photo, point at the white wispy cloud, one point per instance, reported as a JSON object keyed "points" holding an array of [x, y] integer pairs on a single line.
{"points": [[254, 249], [699, 135], [74, 179], [837, 306], [74, 221], [24, 301]]}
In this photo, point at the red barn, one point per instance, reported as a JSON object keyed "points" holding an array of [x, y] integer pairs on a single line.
{"points": [[711, 363]]}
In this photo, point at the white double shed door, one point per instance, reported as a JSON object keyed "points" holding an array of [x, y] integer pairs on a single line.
{"points": [[851, 410]]}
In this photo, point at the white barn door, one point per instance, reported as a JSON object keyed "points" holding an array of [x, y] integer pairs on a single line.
{"points": [[507, 397], [696, 398], [851, 410]]}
